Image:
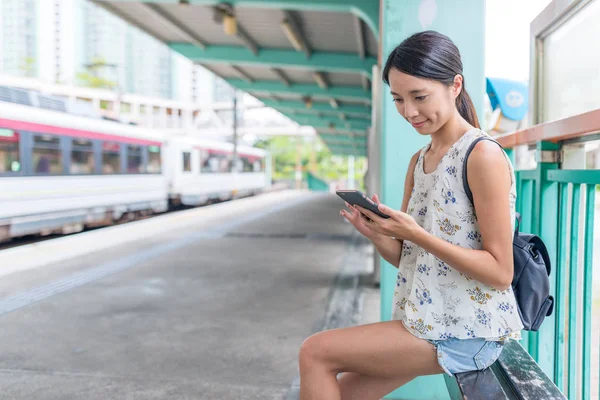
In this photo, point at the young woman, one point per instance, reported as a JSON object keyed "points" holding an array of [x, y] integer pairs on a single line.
{"points": [[453, 306]]}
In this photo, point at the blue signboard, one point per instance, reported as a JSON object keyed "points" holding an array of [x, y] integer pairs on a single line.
{"points": [[511, 96]]}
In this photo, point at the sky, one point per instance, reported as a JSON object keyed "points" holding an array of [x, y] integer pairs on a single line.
{"points": [[507, 24]]}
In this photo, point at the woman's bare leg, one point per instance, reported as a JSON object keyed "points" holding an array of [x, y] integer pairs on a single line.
{"points": [[381, 355], [354, 386]]}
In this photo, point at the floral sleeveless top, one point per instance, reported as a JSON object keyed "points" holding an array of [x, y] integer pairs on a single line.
{"points": [[433, 300]]}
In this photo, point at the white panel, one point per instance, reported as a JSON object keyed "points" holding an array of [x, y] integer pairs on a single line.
{"points": [[571, 72]]}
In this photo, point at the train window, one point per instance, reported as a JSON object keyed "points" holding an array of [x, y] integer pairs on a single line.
{"points": [[154, 160], [187, 161], [214, 161], [135, 161], [9, 151], [111, 158], [82, 157], [247, 163], [204, 163], [47, 155]]}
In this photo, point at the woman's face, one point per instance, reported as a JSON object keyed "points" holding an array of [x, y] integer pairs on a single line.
{"points": [[426, 104]]}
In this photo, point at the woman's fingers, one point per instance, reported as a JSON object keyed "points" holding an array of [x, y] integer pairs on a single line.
{"points": [[367, 213], [376, 198]]}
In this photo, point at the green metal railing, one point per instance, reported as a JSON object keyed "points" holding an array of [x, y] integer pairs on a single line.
{"points": [[549, 200], [316, 184]]}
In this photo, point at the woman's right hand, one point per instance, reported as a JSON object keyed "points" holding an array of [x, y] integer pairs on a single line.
{"points": [[358, 220]]}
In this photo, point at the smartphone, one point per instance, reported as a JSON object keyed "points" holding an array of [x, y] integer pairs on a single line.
{"points": [[356, 197]]}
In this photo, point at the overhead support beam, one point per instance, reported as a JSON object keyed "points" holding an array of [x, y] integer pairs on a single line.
{"points": [[367, 10], [366, 84], [247, 40], [294, 33], [331, 123], [158, 15], [344, 131], [342, 143], [345, 151], [320, 79], [317, 107], [274, 87], [282, 77], [346, 146], [243, 74], [224, 14], [361, 140], [277, 58], [360, 37], [349, 124]]}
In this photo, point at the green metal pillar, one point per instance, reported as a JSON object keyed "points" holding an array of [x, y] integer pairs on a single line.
{"points": [[464, 22]]}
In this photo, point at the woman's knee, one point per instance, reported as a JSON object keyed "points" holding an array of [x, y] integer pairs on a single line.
{"points": [[313, 351]]}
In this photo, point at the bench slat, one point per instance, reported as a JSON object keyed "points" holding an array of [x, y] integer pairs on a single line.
{"points": [[525, 375], [514, 376], [475, 385]]}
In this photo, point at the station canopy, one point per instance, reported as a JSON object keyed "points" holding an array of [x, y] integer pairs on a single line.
{"points": [[311, 60]]}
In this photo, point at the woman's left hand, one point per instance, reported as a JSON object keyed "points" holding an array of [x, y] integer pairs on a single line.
{"points": [[400, 225]]}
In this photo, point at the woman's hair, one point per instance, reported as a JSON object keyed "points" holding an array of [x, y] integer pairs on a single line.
{"points": [[431, 55]]}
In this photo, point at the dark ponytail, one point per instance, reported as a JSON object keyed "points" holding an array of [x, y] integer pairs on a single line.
{"points": [[431, 55], [465, 107]]}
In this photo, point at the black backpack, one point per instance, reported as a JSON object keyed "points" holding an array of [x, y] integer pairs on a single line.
{"points": [[530, 284]]}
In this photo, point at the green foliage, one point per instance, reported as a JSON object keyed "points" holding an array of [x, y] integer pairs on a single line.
{"points": [[28, 66], [329, 167], [90, 77]]}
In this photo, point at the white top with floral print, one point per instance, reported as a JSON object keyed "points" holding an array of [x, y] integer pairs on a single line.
{"points": [[434, 300]]}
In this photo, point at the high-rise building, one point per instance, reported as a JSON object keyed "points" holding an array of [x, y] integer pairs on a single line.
{"points": [[55, 40], [58, 40], [133, 60], [18, 44]]}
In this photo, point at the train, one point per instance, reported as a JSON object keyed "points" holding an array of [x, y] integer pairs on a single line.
{"points": [[61, 173]]}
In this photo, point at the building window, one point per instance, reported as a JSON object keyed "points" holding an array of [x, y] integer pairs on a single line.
{"points": [[82, 157], [154, 160], [111, 158], [9, 152], [47, 155], [135, 162], [187, 161]]}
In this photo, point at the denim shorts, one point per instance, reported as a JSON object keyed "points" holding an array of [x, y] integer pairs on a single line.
{"points": [[463, 355]]}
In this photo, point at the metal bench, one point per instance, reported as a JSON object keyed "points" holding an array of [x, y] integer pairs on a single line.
{"points": [[515, 375]]}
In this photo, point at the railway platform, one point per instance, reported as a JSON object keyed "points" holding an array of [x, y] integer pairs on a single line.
{"points": [[208, 303]]}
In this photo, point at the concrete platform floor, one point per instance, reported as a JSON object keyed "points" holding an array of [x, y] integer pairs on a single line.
{"points": [[214, 307]]}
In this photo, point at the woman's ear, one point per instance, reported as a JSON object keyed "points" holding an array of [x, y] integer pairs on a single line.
{"points": [[457, 86]]}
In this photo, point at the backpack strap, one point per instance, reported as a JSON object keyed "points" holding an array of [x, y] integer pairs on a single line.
{"points": [[466, 182], [464, 174]]}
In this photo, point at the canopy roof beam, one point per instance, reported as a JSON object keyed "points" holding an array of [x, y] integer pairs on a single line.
{"points": [[367, 10], [282, 77], [350, 110], [243, 74], [360, 37], [276, 58], [161, 17], [275, 87], [294, 33]]}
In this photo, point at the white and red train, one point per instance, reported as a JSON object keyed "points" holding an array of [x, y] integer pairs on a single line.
{"points": [[61, 173]]}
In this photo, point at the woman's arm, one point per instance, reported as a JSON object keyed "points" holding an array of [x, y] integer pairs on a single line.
{"points": [[490, 181], [390, 248]]}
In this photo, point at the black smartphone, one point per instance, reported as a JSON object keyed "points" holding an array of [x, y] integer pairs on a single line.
{"points": [[356, 197]]}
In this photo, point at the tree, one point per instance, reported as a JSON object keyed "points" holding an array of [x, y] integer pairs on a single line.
{"points": [[91, 78], [330, 167], [28, 66]]}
